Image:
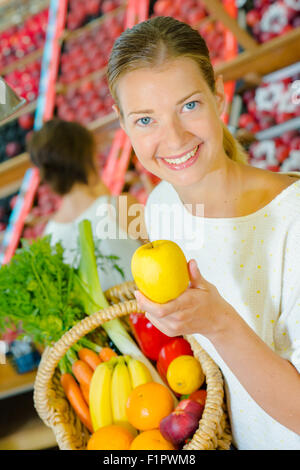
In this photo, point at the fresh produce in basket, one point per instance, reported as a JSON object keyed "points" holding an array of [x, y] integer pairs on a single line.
{"points": [[151, 440], [112, 437], [174, 348], [185, 374], [47, 297], [121, 387], [75, 396], [178, 426], [148, 404], [100, 396], [153, 266], [148, 337], [119, 397]]}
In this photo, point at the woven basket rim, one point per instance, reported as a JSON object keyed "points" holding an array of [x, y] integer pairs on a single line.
{"points": [[213, 432]]}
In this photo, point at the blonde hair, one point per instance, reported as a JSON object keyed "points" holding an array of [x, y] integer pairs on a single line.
{"points": [[154, 42]]}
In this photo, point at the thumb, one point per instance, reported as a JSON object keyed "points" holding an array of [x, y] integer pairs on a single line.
{"points": [[196, 279]]}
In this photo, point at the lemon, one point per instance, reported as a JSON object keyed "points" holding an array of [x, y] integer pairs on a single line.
{"points": [[185, 374]]}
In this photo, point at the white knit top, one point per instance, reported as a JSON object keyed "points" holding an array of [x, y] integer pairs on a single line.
{"points": [[109, 237], [254, 261]]}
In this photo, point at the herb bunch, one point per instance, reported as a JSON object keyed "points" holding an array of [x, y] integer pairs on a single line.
{"points": [[38, 292]]}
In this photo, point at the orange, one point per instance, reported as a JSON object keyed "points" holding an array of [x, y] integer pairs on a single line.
{"points": [[111, 437], [151, 440], [148, 404]]}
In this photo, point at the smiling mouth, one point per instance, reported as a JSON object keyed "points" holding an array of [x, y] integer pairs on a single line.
{"points": [[182, 158], [183, 161]]}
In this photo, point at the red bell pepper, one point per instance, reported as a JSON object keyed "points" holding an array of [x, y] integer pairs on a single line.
{"points": [[148, 337], [174, 348]]}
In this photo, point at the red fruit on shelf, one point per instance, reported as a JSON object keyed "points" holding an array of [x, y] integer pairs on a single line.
{"points": [[282, 152], [283, 117], [295, 143], [288, 136], [107, 6], [162, 6], [12, 149], [26, 121], [246, 121], [253, 17]]}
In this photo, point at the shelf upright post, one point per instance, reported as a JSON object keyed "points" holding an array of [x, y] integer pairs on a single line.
{"points": [[44, 111], [119, 156], [231, 47]]}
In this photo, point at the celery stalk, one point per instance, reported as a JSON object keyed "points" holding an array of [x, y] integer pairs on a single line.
{"points": [[94, 299]]}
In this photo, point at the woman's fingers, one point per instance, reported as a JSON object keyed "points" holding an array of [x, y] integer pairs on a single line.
{"points": [[196, 279], [158, 310]]}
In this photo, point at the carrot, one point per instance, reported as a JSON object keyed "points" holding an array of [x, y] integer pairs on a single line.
{"points": [[89, 357], [75, 397], [82, 372], [107, 353], [85, 392]]}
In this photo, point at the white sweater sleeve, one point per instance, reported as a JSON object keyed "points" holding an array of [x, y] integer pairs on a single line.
{"points": [[287, 328]]}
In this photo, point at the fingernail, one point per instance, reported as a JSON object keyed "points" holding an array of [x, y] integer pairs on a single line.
{"points": [[137, 295]]}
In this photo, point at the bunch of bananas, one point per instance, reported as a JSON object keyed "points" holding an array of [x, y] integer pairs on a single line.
{"points": [[111, 385]]}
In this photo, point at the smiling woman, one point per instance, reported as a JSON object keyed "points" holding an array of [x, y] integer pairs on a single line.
{"points": [[243, 308]]}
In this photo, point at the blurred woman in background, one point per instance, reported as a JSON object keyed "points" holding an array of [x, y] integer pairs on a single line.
{"points": [[65, 154]]}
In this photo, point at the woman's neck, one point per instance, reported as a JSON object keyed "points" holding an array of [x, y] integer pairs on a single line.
{"points": [[217, 194], [80, 198]]}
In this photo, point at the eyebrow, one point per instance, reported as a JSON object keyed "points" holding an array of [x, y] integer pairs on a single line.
{"points": [[149, 111]]}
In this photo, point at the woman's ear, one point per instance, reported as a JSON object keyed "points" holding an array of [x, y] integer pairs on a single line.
{"points": [[119, 115], [220, 95]]}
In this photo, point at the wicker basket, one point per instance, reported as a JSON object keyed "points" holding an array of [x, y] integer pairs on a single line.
{"points": [[56, 412]]}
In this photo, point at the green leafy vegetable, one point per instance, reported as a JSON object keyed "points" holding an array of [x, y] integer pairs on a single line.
{"points": [[38, 292]]}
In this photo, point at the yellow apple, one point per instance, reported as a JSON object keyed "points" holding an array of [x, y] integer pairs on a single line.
{"points": [[160, 270]]}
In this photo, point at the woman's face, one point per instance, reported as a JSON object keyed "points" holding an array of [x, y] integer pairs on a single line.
{"points": [[173, 120]]}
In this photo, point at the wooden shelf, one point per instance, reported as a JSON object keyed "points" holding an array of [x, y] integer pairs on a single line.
{"points": [[67, 35], [62, 88], [12, 383], [27, 59], [12, 171], [218, 12], [27, 108], [264, 59], [103, 122], [20, 426]]}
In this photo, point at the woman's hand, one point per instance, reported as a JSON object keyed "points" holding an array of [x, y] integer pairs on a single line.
{"points": [[200, 309]]}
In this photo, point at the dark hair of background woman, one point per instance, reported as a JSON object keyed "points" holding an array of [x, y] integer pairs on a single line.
{"points": [[64, 153]]}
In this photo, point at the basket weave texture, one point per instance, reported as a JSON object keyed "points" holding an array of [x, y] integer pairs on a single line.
{"points": [[56, 412]]}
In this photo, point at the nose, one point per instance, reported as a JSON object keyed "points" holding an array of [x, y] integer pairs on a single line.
{"points": [[175, 136]]}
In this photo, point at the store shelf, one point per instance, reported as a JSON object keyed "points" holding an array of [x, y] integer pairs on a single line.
{"points": [[19, 17], [27, 59], [218, 12], [62, 88], [12, 383], [264, 59], [21, 428], [27, 108], [104, 122], [13, 170], [67, 35]]}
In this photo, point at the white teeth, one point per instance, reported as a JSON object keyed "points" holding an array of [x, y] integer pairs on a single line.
{"points": [[183, 159]]}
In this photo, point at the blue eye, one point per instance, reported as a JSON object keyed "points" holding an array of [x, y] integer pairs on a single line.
{"points": [[191, 105], [144, 121]]}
